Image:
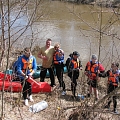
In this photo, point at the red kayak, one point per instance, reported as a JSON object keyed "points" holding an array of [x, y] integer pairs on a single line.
{"points": [[6, 77], [16, 85]]}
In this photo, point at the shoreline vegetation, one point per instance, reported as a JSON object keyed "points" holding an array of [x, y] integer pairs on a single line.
{"points": [[103, 3]]}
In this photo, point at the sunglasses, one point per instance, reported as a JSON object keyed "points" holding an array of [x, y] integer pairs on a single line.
{"points": [[56, 47], [27, 52]]}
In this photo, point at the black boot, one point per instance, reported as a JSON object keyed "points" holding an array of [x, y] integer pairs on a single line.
{"points": [[107, 106], [88, 95], [115, 111]]}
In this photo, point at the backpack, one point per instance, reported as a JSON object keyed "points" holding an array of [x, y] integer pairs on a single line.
{"points": [[68, 65], [15, 76], [14, 65], [68, 62]]}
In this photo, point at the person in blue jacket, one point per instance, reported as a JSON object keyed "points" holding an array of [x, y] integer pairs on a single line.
{"points": [[58, 59], [26, 66]]}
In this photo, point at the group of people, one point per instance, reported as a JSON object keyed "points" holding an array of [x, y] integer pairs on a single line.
{"points": [[94, 70], [53, 57]]}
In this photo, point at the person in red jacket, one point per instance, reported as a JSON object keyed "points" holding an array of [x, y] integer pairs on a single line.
{"points": [[93, 67]]}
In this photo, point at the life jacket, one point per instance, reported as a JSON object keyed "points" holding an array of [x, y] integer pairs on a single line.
{"points": [[75, 64], [27, 65], [113, 78], [60, 60], [92, 70]]}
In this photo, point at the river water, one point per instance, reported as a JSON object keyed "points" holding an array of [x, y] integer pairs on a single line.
{"points": [[76, 28]]}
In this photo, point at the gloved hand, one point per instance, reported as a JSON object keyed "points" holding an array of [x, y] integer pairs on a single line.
{"points": [[100, 74], [81, 68], [30, 74], [86, 73], [26, 77]]}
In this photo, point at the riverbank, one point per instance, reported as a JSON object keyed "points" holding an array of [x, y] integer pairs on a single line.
{"points": [[60, 107], [103, 3]]}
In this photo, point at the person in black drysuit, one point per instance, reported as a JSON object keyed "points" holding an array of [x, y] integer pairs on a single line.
{"points": [[58, 61], [113, 79], [74, 66]]}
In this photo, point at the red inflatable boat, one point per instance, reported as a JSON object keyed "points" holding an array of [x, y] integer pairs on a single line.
{"points": [[16, 85]]}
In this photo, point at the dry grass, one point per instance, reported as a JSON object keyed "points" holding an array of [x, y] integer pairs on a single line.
{"points": [[70, 109]]}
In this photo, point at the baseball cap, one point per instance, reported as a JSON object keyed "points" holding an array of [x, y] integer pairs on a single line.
{"points": [[76, 53]]}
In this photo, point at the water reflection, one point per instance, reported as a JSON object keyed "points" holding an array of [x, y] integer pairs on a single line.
{"points": [[76, 27]]}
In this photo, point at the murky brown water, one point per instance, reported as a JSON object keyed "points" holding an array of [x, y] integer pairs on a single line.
{"points": [[76, 27]]}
